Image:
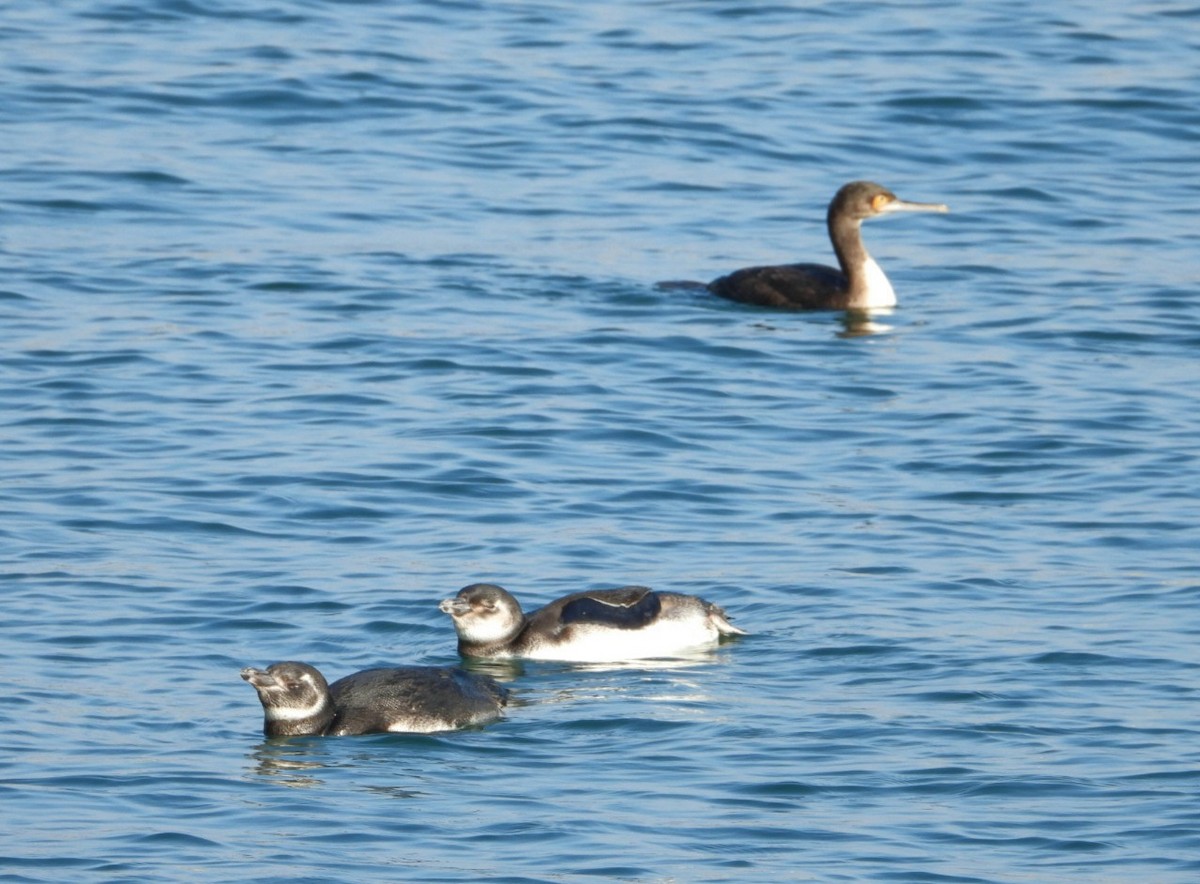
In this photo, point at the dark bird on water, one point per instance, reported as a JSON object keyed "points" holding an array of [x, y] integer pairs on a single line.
{"points": [[860, 284], [297, 701]]}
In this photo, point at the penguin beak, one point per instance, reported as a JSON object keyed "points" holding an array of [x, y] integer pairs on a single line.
{"points": [[454, 607], [258, 678]]}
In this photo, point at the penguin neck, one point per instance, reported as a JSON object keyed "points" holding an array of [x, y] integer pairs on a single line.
{"points": [[289, 722]]}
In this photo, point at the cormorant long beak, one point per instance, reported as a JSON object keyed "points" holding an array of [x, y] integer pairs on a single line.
{"points": [[907, 206]]}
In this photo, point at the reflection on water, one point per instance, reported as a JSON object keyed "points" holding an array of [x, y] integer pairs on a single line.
{"points": [[849, 324], [502, 670], [395, 792], [297, 762], [861, 323], [287, 762], [564, 683]]}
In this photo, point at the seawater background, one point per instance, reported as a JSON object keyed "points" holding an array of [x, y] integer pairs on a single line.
{"points": [[313, 312]]}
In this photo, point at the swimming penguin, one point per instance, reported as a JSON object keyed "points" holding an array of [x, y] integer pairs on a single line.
{"points": [[297, 701], [597, 626]]}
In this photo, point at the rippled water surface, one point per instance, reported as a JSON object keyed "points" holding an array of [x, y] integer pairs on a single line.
{"points": [[313, 312]]}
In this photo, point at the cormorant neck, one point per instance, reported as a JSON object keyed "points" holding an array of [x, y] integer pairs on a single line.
{"points": [[866, 285]]}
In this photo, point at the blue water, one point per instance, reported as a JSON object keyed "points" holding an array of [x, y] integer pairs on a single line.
{"points": [[313, 312]]}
